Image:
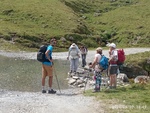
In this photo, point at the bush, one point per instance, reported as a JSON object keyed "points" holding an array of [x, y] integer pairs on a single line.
{"points": [[7, 38], [146, 65], [89, 42]]}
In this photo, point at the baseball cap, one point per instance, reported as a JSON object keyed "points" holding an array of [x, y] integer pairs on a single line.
{"points": [[112, 45]]}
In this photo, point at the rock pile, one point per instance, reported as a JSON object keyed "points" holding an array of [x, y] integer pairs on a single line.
{"points": [[81, 78], [84, 77]]}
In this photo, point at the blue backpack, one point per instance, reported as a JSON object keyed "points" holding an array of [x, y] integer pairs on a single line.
{"points": [[103, 62]]}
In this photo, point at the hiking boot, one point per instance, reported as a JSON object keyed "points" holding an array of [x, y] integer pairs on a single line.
{"points": [[43, 91], [83, 66], [74, 72], [109, 87], [51, 91], [113, 87], [96, 91], [69, 74]]}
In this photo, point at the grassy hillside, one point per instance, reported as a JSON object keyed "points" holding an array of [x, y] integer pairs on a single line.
{"points": [[90, 22], [35, 17], [128, 24]]}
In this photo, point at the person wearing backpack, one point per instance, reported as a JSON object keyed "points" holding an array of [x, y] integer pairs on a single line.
{"points": [[84, 51], [113, 67], [47, 67], [97, 69], [73, 56]]}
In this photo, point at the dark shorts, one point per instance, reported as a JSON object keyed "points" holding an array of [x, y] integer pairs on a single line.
{"points": [[113, 70]]}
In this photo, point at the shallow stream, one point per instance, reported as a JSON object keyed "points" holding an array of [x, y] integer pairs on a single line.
{"points": [[19, 71], [25, 75]]}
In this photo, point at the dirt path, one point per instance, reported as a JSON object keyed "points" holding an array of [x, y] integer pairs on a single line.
{"points": [[63, 55], [25, 102], [68, 102]]}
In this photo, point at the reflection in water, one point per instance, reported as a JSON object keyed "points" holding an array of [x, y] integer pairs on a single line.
{"points": [[25, 75]]}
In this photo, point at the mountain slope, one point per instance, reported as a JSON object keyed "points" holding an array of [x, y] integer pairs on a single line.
{"points": [[90, 22], [36, 17]]}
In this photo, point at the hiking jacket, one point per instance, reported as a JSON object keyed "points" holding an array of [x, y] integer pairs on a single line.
{"points": [[74, 52]]}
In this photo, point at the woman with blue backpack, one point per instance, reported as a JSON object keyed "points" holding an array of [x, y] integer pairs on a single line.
{"points": [[97, 69]]}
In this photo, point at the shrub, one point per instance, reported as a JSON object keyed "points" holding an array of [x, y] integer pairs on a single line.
{"points": [[89, 42], [7, 37]]}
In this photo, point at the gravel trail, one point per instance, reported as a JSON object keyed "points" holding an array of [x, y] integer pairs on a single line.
{"points": [[63, 55], [68, 102], [26, 102]]}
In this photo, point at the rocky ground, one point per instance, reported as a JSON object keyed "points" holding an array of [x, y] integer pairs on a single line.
{"points": [[68, 101]]}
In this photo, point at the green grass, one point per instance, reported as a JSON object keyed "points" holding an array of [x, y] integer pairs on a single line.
{"points": [[125, 22], [131, 99], [127, 99], [135, 59], [36, 17], [131, 23], [9, 46]]}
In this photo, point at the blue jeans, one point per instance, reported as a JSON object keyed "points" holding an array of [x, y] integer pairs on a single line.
{"points": [[74, 64], [83, 60]]}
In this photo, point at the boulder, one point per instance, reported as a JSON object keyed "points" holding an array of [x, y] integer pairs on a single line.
{"points": [[141, 79], [122, 77], [63, 39]]}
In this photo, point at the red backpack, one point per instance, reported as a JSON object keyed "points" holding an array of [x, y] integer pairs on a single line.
{"points": [[121, 57]]}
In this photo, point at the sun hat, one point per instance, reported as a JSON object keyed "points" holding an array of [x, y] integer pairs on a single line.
{"points": [[112, 45], [73, 44]]}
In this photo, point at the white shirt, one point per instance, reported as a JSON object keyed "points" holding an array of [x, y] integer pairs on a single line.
{"points": [[98, 57], [114, 56]]}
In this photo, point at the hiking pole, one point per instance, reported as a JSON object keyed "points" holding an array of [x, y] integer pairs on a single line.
{"points": [[85, 85], [86, 80], [56, 78]]}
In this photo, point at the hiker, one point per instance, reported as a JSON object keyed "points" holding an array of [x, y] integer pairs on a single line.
{"points": [[73, 56], [97, 69], [47, 68], [113, 67], [84, 51]]}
